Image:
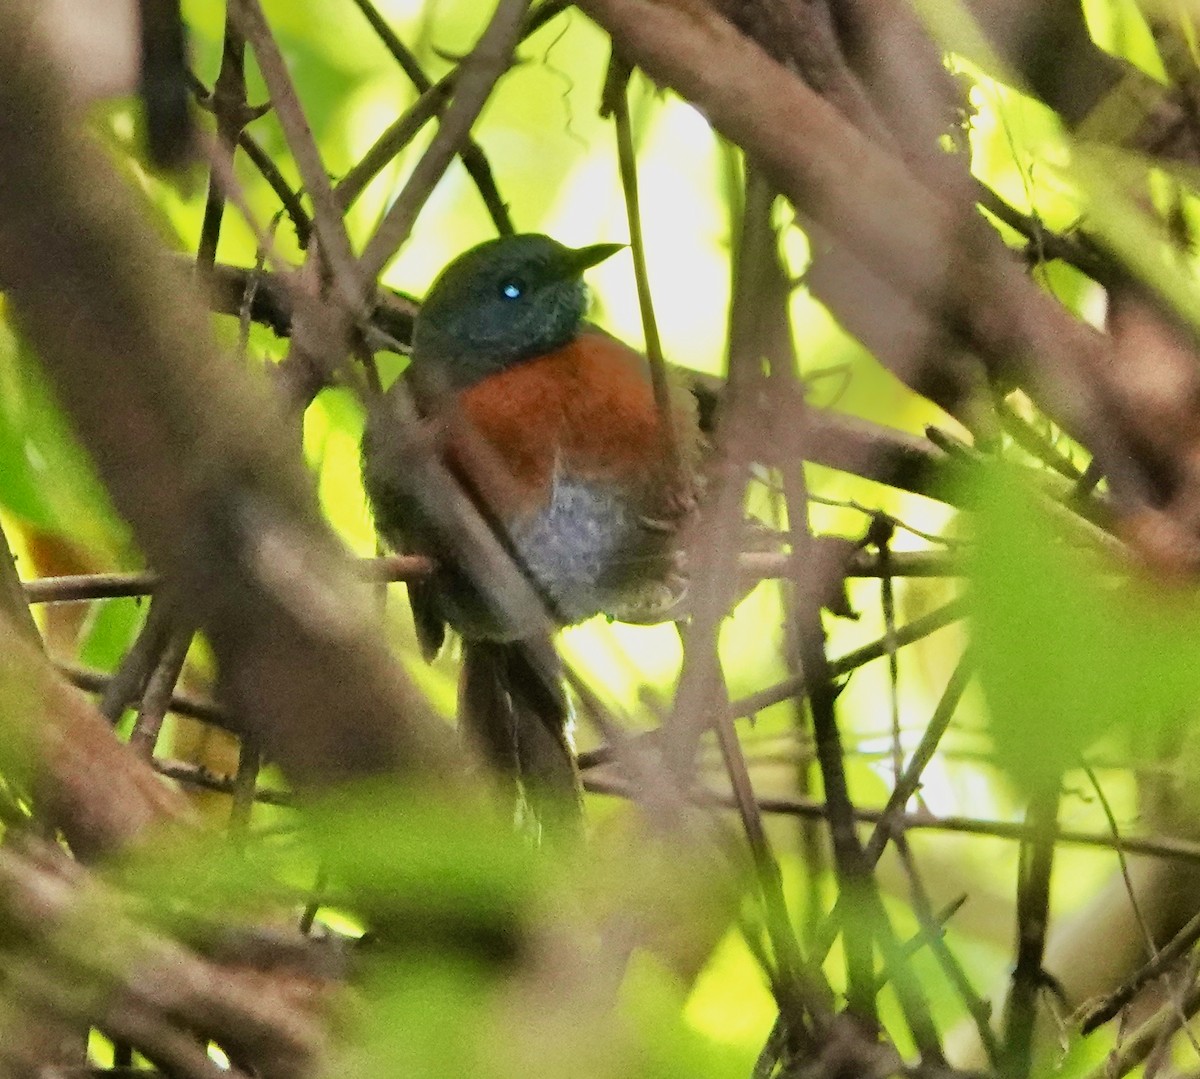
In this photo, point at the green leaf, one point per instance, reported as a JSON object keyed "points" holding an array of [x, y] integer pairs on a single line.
{"points": [[45, 476], [1071, 647]]}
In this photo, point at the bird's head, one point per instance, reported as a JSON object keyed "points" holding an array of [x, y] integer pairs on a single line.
{"points": [[504, 301]]}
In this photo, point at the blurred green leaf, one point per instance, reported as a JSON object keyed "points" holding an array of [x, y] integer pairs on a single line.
{"points": [[45, 476], [1070, 649], [109, 631]]}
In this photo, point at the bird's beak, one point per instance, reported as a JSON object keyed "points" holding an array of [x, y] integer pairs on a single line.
{"points": [[580, 258]]}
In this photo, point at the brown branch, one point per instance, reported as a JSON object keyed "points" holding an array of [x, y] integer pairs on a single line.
{"points": [[129, 680], [193, 451], [477, 77], [1168, 848], [398, 135], [87, 784], [948, 265], [159, 691], [909, 781], [248, 17], [231, 109], [915, 630], [473, 158], [753, 565], [401, 132]]}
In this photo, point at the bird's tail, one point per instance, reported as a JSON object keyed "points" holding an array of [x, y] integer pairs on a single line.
{"points": [[515, 715]]}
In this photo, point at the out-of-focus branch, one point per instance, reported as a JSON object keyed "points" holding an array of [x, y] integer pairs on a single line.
{"points": [[140, 986], [945, 263], [14, 604], [1047, 48], [89, 786], [194, 451]]}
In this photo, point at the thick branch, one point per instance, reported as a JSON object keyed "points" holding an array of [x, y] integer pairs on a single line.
{"points": [[193, 450]]}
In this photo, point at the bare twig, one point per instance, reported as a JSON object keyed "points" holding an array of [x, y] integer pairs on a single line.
{"points": [[431, 101], [798, 984], [477, 76], [473, 158], [143, 656], [159, 691], [1096, 1013], [229, 105], [979, 1010], [616, 102], [1033, 912], [1165, 847], [915, 630], [248, 17]]}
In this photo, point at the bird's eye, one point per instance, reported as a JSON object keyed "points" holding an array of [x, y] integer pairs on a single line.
{"points": [[513, 289]]}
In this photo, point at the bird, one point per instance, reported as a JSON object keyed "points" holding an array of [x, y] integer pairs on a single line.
{"points": [[590, 488]]}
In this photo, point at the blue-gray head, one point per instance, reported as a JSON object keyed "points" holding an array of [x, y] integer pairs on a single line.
{"points": [[501, 302]]}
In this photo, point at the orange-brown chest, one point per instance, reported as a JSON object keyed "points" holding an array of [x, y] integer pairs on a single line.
{"points": [[586, 411]]}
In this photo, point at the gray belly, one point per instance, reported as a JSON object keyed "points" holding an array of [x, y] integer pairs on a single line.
{"points": [[589, 553]]}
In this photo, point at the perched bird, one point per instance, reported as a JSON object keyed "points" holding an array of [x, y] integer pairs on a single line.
{"points": [[589, 496]]}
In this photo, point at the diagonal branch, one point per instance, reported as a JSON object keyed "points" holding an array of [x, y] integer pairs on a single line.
{"points": [[477, 77]]}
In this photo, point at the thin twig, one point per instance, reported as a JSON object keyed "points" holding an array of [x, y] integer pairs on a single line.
{"points": [[473, 158], [1033, 913], [1043, 242], [401, 132], [753, 565], [128, 683], [799, 985], [1030, 439], [250, 146], [908, 782], [1134, 902], [1166, 847], [245, 786], [196, 775], [1134, 1049], [158, 695], [616, 101], [1101, 1011], [327, 218], [229, 105], [916, 630], [477, 77], [979, 1010], [181, 704]]}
